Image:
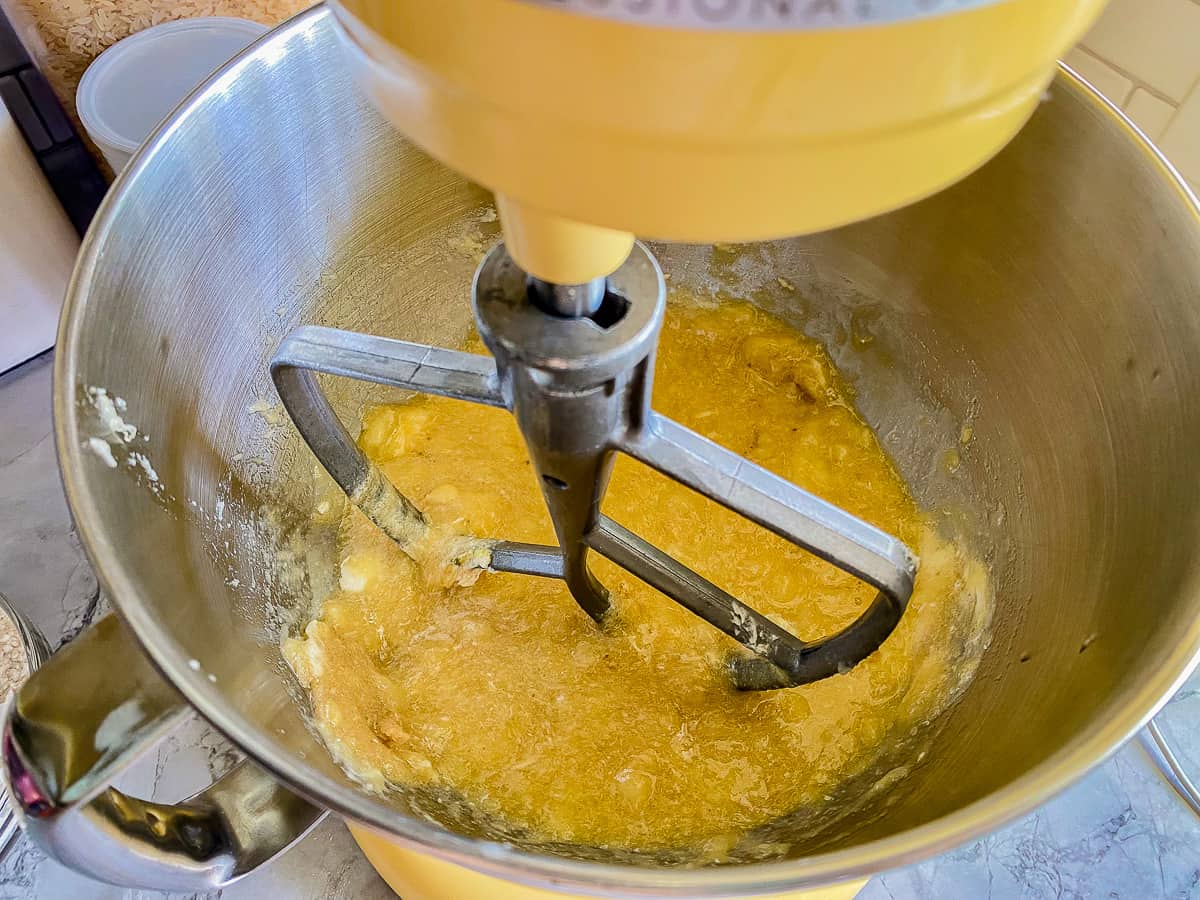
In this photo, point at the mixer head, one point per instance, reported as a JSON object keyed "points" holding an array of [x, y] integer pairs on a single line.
{"points": [[574, 364]]}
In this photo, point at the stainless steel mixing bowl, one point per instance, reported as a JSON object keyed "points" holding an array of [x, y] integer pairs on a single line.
{"points": [[1050, 303]]}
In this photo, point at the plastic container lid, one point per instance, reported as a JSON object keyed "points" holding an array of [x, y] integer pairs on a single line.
{"points": [[132, 86]]}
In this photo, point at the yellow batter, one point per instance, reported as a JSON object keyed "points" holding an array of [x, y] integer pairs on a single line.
{"points": [[506, 692]]}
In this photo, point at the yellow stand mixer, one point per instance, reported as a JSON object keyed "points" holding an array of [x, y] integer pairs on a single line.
{"points": [[690, 120]]}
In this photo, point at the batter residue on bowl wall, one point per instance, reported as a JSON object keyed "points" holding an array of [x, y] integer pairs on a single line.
{"points": [[631, 736]]}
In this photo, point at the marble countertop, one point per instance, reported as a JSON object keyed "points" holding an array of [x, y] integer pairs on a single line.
{"points": [[1121, 832]]}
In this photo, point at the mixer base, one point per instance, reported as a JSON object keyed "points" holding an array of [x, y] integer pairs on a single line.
{"points": [[419, 876]]}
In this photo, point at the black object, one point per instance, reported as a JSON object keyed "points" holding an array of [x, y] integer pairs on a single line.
{"points": [[60, 152]]}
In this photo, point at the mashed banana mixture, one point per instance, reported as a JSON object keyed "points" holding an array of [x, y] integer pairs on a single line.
{"points": [[631, 736]]}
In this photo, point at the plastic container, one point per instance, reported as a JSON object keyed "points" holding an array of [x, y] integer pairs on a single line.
{"points": [[136, 82]]}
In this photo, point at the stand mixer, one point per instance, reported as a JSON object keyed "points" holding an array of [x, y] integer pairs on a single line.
{"points": [[1011, 301], [688, 121]]}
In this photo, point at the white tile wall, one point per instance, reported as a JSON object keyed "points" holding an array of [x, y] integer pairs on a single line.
{"points": [[1150, 113], [1144, 55], [1111, 83], [1181, 141], [1157, 41]]}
